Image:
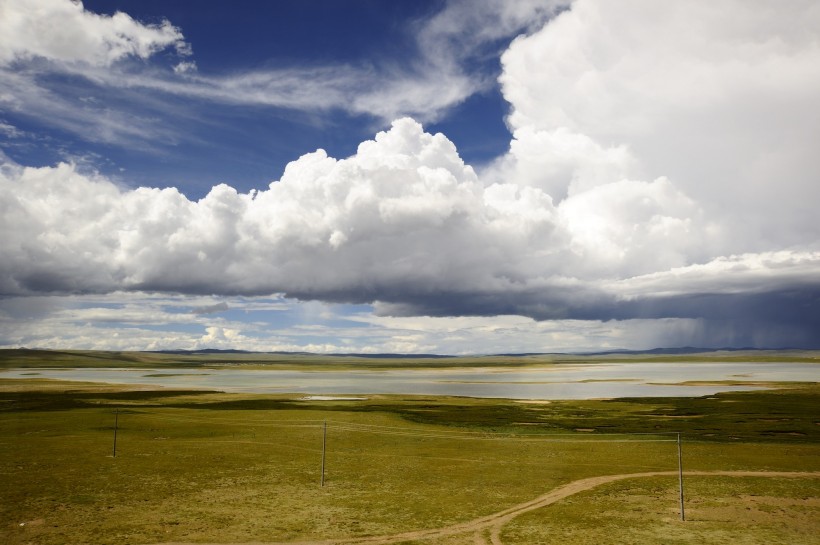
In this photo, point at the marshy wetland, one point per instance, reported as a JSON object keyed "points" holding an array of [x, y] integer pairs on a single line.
{"points": [[198, 466]]}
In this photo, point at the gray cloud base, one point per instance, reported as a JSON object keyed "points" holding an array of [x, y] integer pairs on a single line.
{"points": [[406, 224]]}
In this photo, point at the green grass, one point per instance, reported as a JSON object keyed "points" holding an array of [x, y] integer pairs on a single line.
{"points": [[785, 415], [234, 468], [719, 510]]}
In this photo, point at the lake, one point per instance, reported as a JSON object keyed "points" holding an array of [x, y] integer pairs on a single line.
{"points": [[565, 381]]}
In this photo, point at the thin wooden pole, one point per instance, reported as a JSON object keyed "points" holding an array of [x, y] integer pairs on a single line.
{"points": [[680, 480], [324, 446], [116, 425]]}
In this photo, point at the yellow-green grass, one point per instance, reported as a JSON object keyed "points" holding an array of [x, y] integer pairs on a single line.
{"points": [[228, 468], [719, 510]]}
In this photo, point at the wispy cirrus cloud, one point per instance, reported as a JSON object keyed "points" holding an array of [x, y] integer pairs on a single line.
{"points": [[211, 309], [48, 75]]}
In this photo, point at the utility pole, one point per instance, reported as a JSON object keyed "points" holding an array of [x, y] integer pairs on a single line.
{"points": [[680, 480], [324, 445], [116, 423]]}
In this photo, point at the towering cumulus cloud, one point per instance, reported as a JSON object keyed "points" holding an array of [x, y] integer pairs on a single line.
{"points": [[718, 98], [403, 215], [662, 165]]}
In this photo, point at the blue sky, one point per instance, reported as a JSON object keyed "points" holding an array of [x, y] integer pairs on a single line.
{"points": [[246, 145], [442, 176]]}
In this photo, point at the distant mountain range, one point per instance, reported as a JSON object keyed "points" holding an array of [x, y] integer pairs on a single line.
{"points": [[339, 354], [658, 351]]}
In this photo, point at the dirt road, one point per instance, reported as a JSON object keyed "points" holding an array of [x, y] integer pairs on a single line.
{"points": [[491, 525]]}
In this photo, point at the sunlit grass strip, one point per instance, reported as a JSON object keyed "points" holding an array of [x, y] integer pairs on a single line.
{"points": [[579, 438], [233, 422], [404, 431]]}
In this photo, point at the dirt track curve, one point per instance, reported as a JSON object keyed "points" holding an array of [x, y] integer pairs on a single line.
{"points": [[496, 521]]}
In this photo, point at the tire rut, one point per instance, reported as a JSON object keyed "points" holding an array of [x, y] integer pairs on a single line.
{"points": [[496, 521]]}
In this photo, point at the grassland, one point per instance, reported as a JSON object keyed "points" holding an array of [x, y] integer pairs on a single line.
{"points": [[209, 467]]}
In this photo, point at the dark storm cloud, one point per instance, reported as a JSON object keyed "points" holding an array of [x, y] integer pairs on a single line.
{"points": [[788, 305], [788, 317]]}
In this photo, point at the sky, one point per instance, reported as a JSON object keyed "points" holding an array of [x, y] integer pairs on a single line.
{"points": [[449, 177]]}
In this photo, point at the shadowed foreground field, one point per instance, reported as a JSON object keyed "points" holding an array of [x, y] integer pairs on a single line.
{"points": [[198, 467]]}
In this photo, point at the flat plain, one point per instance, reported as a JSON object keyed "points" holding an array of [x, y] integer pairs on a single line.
{"points": [[211, 467]]}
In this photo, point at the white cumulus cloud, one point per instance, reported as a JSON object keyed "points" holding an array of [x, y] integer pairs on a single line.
{"points": [[718, 97], [662, 166], [403, 222], [63, 31]]}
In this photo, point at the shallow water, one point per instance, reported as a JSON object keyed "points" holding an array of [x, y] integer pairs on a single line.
{"points": [[581, 381]]}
